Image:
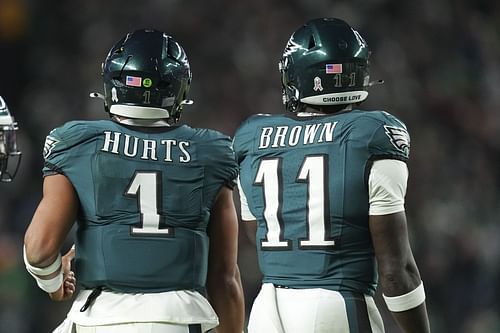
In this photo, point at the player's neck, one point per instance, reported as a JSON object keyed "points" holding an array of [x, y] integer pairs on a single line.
{"points": [[140, 122], [322, 110]]}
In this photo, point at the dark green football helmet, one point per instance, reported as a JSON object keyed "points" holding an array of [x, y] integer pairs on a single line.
{"points": [[146, 76], [325, 62]]}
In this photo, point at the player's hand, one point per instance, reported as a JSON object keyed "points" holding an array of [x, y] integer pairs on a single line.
{"points": [[67, 289]]}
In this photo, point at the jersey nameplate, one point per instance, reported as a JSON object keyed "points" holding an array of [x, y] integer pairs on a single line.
{"points": [[290, 136], [131, 146]]}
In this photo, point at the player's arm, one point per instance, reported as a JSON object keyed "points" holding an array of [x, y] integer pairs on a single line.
{"points": [[399, 276], [250, 228], [45, 235], [224, 287]]}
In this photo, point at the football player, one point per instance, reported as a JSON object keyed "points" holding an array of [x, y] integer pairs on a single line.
{"points": [[10, 156], [156, 239], [322, 189]]}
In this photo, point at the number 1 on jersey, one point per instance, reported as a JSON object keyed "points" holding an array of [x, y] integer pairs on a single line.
{"points": [[269, 177], [313, 173], [146, 186]]}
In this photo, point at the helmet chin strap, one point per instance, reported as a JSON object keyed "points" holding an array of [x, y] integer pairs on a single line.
{"points": [[325, 109], [96, 95], [291, 100], [187, 102], [375, 83]]}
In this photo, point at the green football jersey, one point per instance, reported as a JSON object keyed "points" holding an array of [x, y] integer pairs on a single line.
{"points": [[145, 200], [305, 180]]}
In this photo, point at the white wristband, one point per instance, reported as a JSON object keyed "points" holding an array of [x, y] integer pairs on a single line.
{"points": [[407, 301], [42, 270], [50, 285]]}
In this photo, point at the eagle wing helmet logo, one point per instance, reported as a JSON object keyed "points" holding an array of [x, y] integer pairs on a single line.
{"points": [[399, 138], [291, 47]]}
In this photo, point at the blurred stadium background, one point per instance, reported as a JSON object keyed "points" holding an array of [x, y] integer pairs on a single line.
{"points": [[440, 60]]}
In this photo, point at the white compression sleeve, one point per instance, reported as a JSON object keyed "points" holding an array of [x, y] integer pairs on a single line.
{"points": [[387, 187], [246, 214]]}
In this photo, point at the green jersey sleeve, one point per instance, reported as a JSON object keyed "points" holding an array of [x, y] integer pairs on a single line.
{"points": [[58, 146], [390, 138], [218, 152]]}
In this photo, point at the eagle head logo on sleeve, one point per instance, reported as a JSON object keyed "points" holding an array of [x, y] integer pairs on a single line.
{"points": [[399, 138]]}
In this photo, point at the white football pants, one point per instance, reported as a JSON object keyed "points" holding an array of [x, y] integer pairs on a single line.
{"points": [[140, 328], [286, 310]]}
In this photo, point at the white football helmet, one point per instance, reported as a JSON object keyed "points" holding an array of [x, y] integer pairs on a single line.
{"points": [[10, 156]]}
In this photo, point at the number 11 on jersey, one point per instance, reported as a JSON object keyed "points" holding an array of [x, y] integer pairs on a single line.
{"points": [[313, 173]]}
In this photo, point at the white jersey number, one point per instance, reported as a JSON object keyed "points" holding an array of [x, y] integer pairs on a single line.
{"points": [[312, 173], [146, 187]]}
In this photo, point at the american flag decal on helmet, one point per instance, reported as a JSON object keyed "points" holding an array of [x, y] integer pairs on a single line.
{"points": [[50, 143], [399, 138]]}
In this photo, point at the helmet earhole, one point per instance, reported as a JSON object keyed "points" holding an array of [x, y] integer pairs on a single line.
{"points": [[312, 43]]}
